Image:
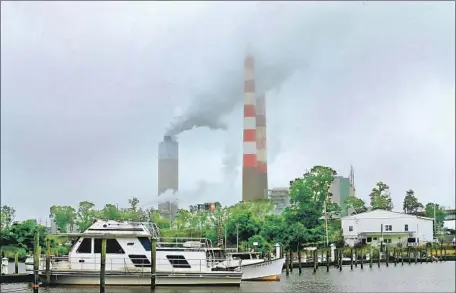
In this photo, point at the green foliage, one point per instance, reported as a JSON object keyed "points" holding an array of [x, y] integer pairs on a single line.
{"points": [[7, 214], [381, 198], [264, 246], [64, 217], [433, 209], [411, 204], [357, 204]]}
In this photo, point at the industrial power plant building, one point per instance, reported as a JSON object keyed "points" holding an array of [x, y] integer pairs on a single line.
{"points": [[168, 174]]}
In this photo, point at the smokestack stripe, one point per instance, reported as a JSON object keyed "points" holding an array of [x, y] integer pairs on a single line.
{"points": [[249, 170], [262, 166]]}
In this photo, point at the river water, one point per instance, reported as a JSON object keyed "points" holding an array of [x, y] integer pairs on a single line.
{"points": [[430, 277]]}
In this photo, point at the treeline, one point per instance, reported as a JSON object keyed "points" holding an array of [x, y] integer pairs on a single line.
{"points": [[301, 223]]}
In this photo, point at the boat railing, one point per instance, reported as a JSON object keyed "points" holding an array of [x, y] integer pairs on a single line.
{"points": [[180, 242], [125, 264]]}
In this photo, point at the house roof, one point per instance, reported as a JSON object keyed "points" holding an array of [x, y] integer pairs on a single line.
{"points": [[382, 214]]}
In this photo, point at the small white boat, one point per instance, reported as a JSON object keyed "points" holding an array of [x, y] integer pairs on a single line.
{"points": [[253, 267], [128, 259]]}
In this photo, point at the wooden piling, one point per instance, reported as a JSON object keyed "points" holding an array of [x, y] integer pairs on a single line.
{"points": [[336, 258], [362, 258], [287, 268], [103, 265], [36, 261], [402, 256], [371, 257], [315, 261], [153, 263], [16, 263], [432, 257], [48, 261], [421, 256], [327, 260], [409, 253], [356, 257], [291, 260], [379, 257], [415, 252], [351, 259], [341, 255], [299, 260], [395, 256], [387, 256]]}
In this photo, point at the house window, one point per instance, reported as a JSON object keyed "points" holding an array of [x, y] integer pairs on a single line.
{"points": [[406, 228], [112, 246], [350, 228], [375, 238], [85, 246], [388, 240], [369, 239], [388, 228]]}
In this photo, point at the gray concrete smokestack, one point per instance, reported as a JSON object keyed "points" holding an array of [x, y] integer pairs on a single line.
{"points": [[168, 173]]}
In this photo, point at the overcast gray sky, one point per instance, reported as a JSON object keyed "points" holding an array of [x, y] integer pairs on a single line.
{"points": [[89, 88]]}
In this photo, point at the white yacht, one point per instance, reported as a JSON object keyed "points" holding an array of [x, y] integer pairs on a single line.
{"points": [[128, 259], [253, 267]]}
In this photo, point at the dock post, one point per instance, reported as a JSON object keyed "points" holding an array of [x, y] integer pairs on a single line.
{"points": [[362, 258], [315, 260], [356, 257], [421, 256], [409, 253], [16, 262], [351, 259], [402, 256], [103, 265], [341, 255], [415, 252], [336, 259], [441, 252], [371, 257], [379, 257], [153, 263], [287, 268], [395, 256], [299, 259], [36, 262], [48, 261], [387, 255], [291, 260], [327, 260]]}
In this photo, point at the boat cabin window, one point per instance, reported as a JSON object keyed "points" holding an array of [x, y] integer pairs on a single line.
{"points": [[85, 246], [178, 261], [112, 246], [145, 241]]}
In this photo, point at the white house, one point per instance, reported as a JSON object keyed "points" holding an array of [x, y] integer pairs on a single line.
{"points": [[370, 227]]}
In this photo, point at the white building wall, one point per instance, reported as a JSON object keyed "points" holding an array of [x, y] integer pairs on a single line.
{"points": [[370, 222]]}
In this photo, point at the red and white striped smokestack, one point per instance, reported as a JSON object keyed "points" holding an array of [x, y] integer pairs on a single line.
{"points": [[249, 160], [262, 158]]}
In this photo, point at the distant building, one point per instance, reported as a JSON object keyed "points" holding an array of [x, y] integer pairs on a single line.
{"points": [[341, 189], [208, 206], [370, 227], [280, 198]]}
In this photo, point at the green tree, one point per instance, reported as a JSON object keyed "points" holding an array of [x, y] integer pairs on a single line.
{"points": [[381, 198], [411, 204], [134, 202], [86, 215], [64, 217], [357, 204], [7, 216], [437, 212], [243, 221], [110, 212], [263, 245], [273, 228], [308, 194]]}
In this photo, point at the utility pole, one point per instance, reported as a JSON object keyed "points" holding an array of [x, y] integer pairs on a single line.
{"points": [[237, 238]]}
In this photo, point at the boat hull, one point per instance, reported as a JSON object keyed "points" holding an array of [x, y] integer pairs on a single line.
{"points": [[162, 279], [269, 270]]}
